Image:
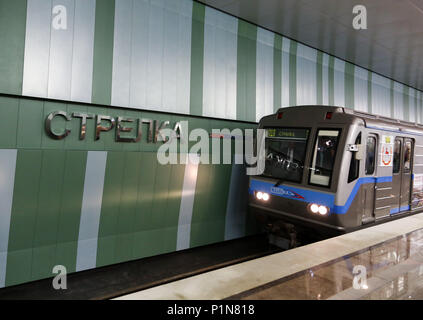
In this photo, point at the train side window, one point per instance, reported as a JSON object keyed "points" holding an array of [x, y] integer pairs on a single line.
{"points": [[370, 155], [324, 157], [354, 164], [397, 156], [407, 156]]}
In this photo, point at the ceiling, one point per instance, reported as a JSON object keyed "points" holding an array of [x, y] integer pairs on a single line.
{"points": [[392, 45]]}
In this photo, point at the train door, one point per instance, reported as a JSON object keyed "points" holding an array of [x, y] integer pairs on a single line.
{"points": [[401, 174], [369, 170]]}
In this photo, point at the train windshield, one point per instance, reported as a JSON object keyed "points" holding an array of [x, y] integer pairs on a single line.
{"points": [[324, 157], [285, 153]]}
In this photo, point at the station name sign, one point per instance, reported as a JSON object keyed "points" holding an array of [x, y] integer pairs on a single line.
{"points": [[105, 123]]}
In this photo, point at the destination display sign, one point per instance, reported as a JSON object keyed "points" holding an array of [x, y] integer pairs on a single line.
{"points": [[288, 133]]}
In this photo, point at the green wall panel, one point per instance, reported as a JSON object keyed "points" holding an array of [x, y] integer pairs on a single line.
{"points": [[30, 124], [369, 92], [331, 80], [112, 191], [23, 219], [12, 45], [143, 243], [293, 46], [406, 103], [103, 51], [127, 206], [70, 209], [47, 217], [277, 73], [9, 112], [208, 221], [197, 59], [172, 207], [246, 71], [319, 78], [45, 214], [349, 85]]}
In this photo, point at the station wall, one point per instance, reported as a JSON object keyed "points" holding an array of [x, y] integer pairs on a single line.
{"points": [[163, 59], [178, 56], [85, 204]]}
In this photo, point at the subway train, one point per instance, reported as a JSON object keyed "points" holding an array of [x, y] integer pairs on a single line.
{"points": [[332, 170]]}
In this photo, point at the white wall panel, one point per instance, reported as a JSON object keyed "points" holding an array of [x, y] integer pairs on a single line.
{"points": [[360, 89], [306, 75], [412, 104], [61, 51], [381, 95], [339, 83], [220, 65], [37, 48], [156, 73], [398, 101]]}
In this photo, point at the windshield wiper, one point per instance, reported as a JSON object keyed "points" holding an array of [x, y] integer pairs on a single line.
{"points": [[279, 182]]}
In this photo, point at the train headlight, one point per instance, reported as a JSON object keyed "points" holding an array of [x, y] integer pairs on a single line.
{"points": [[314, 208], [323, 210], [262, 196]]}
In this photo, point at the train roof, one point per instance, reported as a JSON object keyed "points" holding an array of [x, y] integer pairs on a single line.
{"points": [[369, 120]]}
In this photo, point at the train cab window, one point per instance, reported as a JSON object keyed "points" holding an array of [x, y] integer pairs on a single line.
{"points": [[407, 156], [370, 155], [324, 157], [285, 153], [397, 156], [354, 164]]}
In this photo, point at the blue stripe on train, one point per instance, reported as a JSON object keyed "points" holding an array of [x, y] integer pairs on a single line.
{"points": [[397, 210], [312, 196]]}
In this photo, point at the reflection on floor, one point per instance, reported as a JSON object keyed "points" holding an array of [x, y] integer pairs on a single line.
{"points": [[379, 262], [391, 270]]}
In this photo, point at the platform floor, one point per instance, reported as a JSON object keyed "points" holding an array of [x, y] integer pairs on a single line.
{"points": [[391, 255]]}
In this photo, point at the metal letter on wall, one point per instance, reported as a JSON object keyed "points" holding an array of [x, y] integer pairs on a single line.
{"points": [[121, 128], [48, 121], [84, 118], [99, 128], [150, 129], [158, 128]]}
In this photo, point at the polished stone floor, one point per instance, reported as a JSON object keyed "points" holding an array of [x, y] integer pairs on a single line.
{"points": [[391, 270], [390, 254]]}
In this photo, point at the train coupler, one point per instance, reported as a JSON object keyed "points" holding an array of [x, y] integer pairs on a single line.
{"points": [[282, 235]]}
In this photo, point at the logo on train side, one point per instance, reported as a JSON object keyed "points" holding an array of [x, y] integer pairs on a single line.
{"points": [[285, 193], [386, 153]]}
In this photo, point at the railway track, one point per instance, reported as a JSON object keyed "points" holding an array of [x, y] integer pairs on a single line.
{"points": [[120, 279]]}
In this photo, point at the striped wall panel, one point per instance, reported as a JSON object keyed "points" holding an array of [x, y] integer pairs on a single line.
{"points": [[85, 204], [177, 56]]}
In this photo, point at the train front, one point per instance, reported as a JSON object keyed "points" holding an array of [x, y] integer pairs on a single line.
{"points": [[301, 169]]}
